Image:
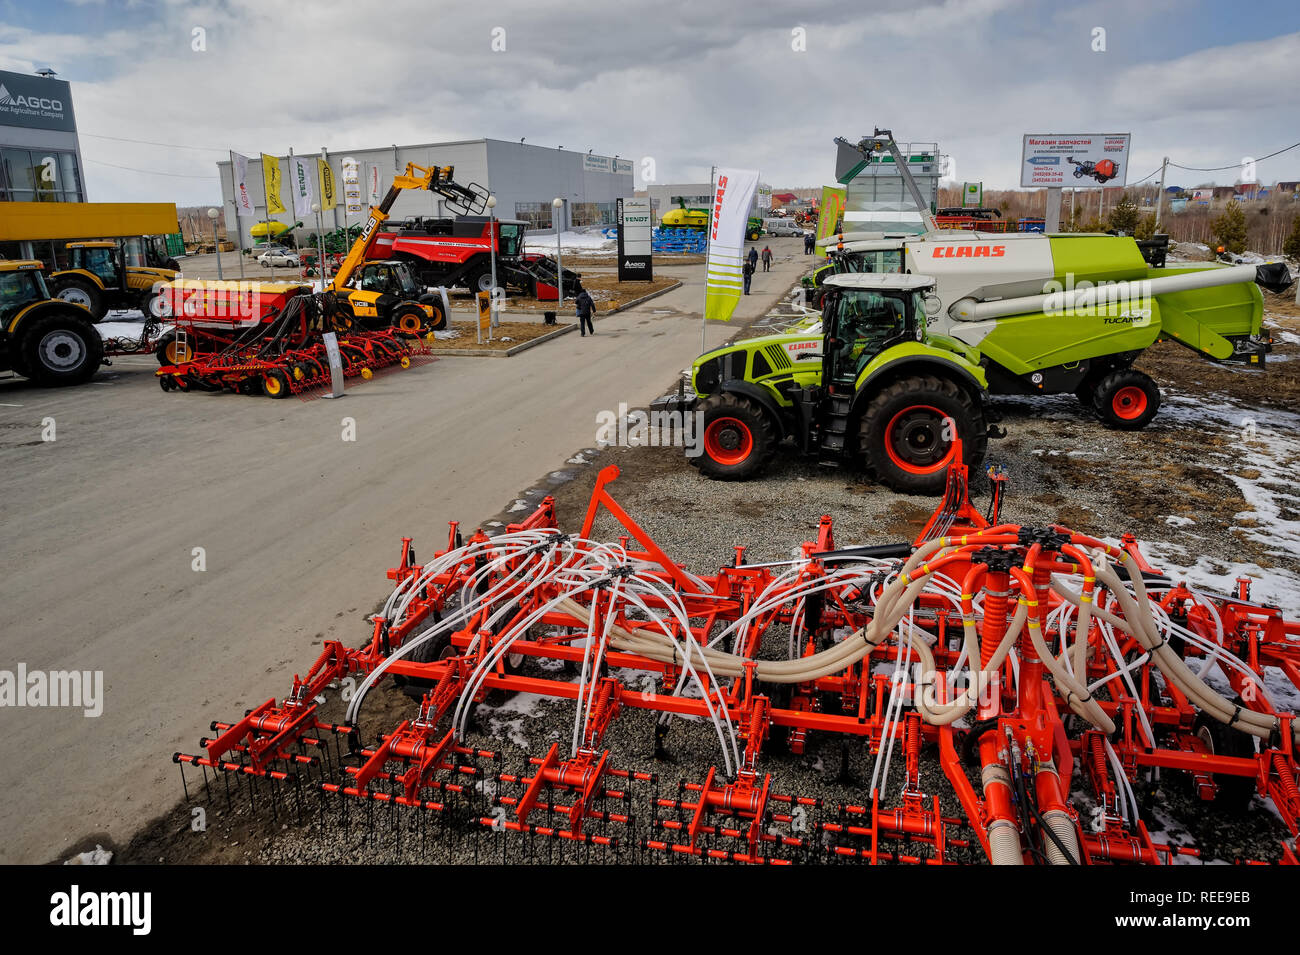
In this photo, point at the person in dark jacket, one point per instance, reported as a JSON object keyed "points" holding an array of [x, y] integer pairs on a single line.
{"points": [[809, 243], [767, 258], [584, 307], [748, 272], [753, 258]]}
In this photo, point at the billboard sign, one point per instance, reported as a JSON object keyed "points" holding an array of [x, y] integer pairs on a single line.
{"points": [[634, 231], [35, 102], [1080, 161]]}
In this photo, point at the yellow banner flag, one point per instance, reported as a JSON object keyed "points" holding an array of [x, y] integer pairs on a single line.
{"points": [[271, 185], [829, 215], [326, 184]]}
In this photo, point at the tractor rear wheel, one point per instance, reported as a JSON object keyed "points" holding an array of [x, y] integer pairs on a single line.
{"points": [[1126, 399], [409, 320], [739, 438], [78, 291], [61, 350], [906, 433]]}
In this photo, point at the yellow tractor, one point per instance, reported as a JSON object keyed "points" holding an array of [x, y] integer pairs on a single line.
{"points": [[98, 279], [50, 341]]}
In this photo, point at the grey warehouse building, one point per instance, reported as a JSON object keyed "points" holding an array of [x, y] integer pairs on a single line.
{"points": [[524, 178]]}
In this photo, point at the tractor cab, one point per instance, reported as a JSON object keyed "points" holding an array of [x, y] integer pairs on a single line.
{"points": [[865, 313], [22, 282], [390, 277], [100, 259]]}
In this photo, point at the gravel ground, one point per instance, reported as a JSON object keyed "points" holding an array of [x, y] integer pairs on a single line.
{"points": [[1209, 484]]}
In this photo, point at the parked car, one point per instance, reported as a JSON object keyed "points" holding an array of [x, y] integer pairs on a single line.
{"points": [[782, 227], [278, 258]]}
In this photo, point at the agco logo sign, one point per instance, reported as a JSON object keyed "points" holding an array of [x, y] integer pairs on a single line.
{"points": [[29, 102], [971, 251]]}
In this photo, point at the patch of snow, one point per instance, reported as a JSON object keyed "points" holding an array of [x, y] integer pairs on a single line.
{"points": [[518, 505], [98, 856], [1176, 521]]}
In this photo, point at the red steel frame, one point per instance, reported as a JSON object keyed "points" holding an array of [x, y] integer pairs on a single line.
{"points": [[1018, 747]]}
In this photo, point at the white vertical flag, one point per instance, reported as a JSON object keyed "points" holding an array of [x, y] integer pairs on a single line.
{"points": [[243, 201], [733, 194], [302, 183]]}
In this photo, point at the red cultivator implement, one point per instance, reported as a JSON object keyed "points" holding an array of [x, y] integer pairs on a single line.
{"points": [[1052, 674], [268, 339]]}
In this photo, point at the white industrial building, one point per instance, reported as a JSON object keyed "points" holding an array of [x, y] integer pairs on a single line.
{"points": [[523, 177]]}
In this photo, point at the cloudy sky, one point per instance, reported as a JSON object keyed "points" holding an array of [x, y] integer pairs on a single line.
{"points": [[681, 81]]}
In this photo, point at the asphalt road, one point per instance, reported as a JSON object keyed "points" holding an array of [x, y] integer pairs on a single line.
{"points": [[297, 526]]}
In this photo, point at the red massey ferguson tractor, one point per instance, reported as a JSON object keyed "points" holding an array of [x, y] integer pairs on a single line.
{"points": [[457, 252]]}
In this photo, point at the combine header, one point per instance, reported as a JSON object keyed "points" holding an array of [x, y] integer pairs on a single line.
{"points": [[1055, 674]]}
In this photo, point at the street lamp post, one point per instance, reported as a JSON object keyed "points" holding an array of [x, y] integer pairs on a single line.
{"points": [[492, 226], [557, 216], [212, 214]]}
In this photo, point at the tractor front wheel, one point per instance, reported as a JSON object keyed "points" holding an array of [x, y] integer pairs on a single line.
{"points": [[739, 438], [61, 350], [1126, 399], [906, 433]]}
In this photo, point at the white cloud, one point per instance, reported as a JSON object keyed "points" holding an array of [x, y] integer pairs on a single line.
{"points": [[679, 80]]}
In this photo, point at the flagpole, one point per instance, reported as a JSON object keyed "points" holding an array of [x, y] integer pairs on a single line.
{"points": [[239, 232], [708, 248], [266, 196]]}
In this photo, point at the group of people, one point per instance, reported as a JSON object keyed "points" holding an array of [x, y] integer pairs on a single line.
{"points": [[751, 264]]}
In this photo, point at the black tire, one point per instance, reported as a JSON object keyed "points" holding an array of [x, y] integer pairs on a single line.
{"points": [[739, 438], [409, 320], [1235, 792], [439, 648], [439, 320], [275, 384], [168, 354], [1126, 400], [82, 292], [901, 433], [61, 350]]}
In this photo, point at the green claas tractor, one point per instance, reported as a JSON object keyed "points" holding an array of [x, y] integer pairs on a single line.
{"points": [[48, 340], [872, 385]]}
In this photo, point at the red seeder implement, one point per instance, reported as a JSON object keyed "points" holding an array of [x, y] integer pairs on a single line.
{"points": [[279, 351], [1052, 672]]}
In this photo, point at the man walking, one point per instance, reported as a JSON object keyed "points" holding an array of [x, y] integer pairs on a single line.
{"points": [[808, 243], [767, 259], [753, 258], [584, 307], [748, 272]]}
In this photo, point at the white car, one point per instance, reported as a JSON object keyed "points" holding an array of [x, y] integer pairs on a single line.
{"points": [[278, 257]]}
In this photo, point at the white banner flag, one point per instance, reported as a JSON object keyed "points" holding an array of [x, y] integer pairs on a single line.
{"points": [[302, 183], [733, 194], [351, 185], [243, 201], [372, 183]]}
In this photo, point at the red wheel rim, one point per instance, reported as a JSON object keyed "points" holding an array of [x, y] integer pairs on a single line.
{"points": [[728, 440], [1129, 403], [914, 440]]}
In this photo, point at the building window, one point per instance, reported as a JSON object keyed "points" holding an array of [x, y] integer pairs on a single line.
{"points": [[536, 214], [594, 213], [31, 175]]}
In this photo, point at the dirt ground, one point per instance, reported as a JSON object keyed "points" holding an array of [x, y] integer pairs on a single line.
{"points": [[1208, 488], [504, 337]]}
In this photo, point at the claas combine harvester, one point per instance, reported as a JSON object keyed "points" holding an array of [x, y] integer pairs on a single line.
{"points": [[916, 330], [1047, 676]]}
